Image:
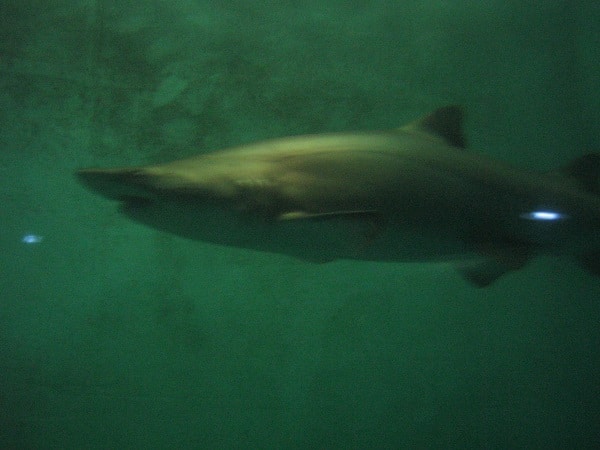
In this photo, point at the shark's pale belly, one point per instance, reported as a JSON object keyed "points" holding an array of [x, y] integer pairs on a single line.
{"points": [[360, 237], [318, 240]]}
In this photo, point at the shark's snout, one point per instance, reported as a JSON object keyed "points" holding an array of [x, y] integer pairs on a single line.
{"points": [[114, 184]]}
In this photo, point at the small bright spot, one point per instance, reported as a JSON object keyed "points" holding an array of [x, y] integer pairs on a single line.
{"points": [[32, 239], [544, 216]]}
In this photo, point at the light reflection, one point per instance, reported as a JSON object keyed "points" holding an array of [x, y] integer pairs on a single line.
{"points": [[31, 239], [544, 216]]}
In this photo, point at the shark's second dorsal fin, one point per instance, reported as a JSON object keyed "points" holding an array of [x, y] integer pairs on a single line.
{"points": [[585, 170], [445, 123]]}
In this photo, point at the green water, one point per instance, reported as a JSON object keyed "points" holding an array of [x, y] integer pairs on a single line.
{"points": [[117, 336]]}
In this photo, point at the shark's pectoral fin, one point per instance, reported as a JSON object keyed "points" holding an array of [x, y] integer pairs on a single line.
{"points": [[498, 261], [371, 222], [372, 218], [296, 215]]}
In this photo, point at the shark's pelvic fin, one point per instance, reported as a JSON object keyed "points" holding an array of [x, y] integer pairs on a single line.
{"points": [[591, 262], [498, 261]]}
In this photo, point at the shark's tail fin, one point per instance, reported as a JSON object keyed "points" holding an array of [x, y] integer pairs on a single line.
{"points": [[585, 170]]}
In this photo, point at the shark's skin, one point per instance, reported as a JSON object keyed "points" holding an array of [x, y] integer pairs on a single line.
{"points": [[410, 194]]}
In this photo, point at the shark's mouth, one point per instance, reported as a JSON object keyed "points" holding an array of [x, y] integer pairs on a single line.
{"points": [[130, 203]]}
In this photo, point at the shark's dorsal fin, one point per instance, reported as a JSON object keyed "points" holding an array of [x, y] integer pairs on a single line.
{"points": [[445, 123]]}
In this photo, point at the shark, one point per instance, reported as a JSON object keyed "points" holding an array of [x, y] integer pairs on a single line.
{"points": [[411, 194]]}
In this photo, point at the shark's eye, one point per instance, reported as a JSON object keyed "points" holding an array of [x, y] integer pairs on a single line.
{"points": [[543, 216]]}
